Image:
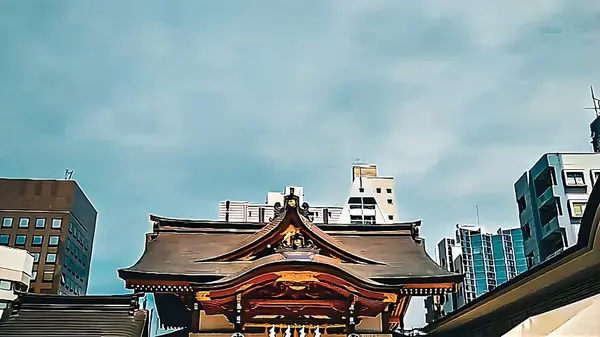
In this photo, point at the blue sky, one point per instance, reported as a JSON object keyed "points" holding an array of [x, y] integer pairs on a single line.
{"points": [[168, 107]]}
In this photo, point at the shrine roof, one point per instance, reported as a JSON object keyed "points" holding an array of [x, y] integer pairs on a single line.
{"points": [[180, 249], [53, 315]]}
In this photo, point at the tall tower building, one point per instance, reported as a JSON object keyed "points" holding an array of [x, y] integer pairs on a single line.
{"points": [[55, 222], [551, 198], [487, 260], [371, 198]]}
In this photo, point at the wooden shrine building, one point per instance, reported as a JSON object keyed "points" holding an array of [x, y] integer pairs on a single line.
{"points": [[286, 278]]}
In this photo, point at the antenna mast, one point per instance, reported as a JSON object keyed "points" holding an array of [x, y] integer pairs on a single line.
{"points": [[596, 103], [477, 213]]}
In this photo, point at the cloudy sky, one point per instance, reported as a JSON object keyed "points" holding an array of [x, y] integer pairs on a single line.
{"points": [[168, 107]]}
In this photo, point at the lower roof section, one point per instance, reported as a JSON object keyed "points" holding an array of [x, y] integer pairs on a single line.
{"points": [[75, 316]]}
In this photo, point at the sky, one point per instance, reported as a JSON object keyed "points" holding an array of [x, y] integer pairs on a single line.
{"points": [[168, 107]]}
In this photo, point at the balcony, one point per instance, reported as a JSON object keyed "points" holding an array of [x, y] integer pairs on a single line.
{"points": [[546, 196], [560, 250], [550, 227], [525, 216]]}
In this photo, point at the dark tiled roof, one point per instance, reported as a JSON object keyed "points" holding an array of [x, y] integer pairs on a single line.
{"points": [[75, 316], [182, 249]]}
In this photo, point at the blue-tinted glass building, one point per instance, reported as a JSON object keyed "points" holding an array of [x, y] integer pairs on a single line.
{"points": [[488, 260]]}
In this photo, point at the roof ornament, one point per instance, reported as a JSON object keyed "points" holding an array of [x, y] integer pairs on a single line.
{"points": [[414, 231], [305, 210], [295, 245]]}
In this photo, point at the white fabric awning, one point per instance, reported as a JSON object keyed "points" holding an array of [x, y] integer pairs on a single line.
{"points": [[579, 319]]}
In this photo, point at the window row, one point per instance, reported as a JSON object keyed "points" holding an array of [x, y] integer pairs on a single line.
{"points": [[77, 253], [12, 285], [79, 236], [70, 285], [7, 222], [36, 240], [378, 190], [50, 257], [74, 268], [47, 275]]}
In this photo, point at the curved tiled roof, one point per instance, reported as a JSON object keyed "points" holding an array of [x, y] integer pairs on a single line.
{"points": [[75, 316], [182, 251]]}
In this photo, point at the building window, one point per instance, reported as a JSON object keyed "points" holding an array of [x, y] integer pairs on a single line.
{"points": [[20, 240], [574, 178], [40, 223], [389, 201], [388, 190], [378, 190], [5, 285], [36, 257], [37, 240], [33, 276], [7, 222], [522, 204], [391, 217], [4, 239], [24, 222], [48, 275], [53, 240], [361, 190], [56, 223], [577, 209], [51, 258]]}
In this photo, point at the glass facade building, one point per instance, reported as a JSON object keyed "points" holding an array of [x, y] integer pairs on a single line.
{"points": [[489, 260]]}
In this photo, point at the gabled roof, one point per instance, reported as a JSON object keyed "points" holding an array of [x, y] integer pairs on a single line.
{"points": [[203, 251], [75, 316]]}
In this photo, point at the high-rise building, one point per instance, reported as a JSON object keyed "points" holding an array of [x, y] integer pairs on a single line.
{"points": [[371, 199], [55, 222], [245, 211], [15, 275], [551, 198], [487, 260]]}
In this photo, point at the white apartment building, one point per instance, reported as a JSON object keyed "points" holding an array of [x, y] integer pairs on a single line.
{"points": [[16, 267], [245, 211], [371, 199]]}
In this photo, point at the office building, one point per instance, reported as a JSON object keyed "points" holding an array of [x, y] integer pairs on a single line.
{"points": [[487, 260], [551, 198], [245, 211], [371, 198], [15, 275], [55, 222]]}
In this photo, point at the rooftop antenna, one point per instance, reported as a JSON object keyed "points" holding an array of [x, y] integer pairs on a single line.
{"points": [[68, 174], [596, 103], [477, 213]]}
